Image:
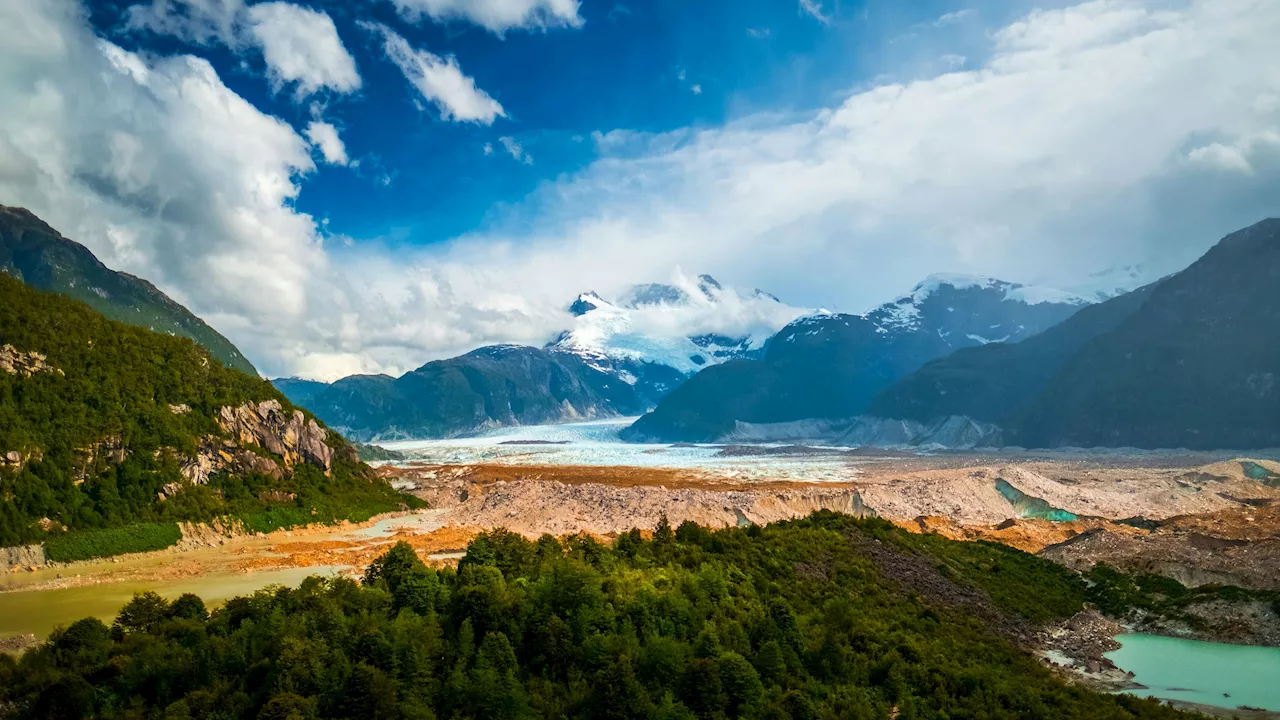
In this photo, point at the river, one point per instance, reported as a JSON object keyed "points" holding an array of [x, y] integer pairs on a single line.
{"points": [[40, 611], [1217, 674]]}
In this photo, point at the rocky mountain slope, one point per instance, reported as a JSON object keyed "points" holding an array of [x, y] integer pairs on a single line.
{"points": [[105, 425], [38, 255], [989, 383], [831, 365], [1195, 366], [1185, 362]]}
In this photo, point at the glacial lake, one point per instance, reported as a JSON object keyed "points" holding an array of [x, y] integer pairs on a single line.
{"points": [[1201, 672]]}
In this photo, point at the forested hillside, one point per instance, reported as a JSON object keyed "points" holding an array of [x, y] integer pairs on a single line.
{"points": [[40, 256], [106, 425], [826, 617]]}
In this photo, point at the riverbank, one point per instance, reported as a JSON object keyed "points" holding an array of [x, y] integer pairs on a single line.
{"points": [[215, 566]]}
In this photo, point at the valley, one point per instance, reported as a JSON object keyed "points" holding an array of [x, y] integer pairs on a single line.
{"points": [[1196, 517]]}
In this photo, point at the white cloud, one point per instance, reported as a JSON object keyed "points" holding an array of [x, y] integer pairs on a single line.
{"points": [[302, 45], [1101, 134], [516, 150], [159, 168], [198, 21], [1071, 147], [813, 9], [696, 89], [439, 80], [498, 16], [759, 33], [325, 137], [954, 18], [299, 45], [487, 149]]}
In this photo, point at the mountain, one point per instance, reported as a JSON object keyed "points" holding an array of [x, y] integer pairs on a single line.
{"points": [[105, 425], [831, 365], [989, 383], [490, 387], [1195, 366], [1112, 282], [637, 328], [618, 358], [38, 255]]}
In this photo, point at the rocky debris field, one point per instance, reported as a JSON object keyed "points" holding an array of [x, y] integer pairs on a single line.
{"points": [[606, 500], [1235, 546]]}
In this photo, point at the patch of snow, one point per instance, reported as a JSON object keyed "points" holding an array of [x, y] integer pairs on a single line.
{"points": [[1106, 284], [1033, 295]]}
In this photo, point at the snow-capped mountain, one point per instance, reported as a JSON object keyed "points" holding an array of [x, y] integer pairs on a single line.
{"points": [[1106, 284], [655, 335], [829, 365]]}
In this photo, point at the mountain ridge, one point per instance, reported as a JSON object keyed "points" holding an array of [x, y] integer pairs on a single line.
{"points": [[37, 254], [830, 365]]}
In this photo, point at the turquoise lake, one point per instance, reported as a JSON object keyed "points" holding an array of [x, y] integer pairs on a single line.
{"points": [[1201, 672]]}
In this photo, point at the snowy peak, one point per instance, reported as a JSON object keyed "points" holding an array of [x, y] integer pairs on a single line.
{"points": [[709, 286], [980, 309], [652, 294], [1106, 284], [585, 303], [685, 326], [949, 309], [1029, 294]]}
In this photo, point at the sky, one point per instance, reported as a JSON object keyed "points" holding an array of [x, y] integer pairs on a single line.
{"points": [[362, 186]]}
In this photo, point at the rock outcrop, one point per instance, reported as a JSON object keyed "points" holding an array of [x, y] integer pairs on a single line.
{"points": [[22, 556], [290, 435], [26, 364], [287, 434], [215, 455]]}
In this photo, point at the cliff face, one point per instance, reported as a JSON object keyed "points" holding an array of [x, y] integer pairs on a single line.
{"points": [[288, 434]]}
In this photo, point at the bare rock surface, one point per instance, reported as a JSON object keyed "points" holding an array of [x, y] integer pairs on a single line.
{"points": [[1237, 546], [22, 556], [290, 435], [26, 364]]}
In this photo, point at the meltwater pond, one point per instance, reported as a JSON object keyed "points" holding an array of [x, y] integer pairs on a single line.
{"points": [[1218, 674]]}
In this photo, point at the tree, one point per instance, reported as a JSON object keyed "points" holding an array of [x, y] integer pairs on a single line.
{"points": [[142, 613]]}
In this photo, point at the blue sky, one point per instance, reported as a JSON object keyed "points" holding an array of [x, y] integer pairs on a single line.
{"points": [[648, 66], [367, 185]]}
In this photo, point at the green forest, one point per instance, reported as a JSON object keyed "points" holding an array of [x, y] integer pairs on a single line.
{"points": [[824, 617], [100, 441]]}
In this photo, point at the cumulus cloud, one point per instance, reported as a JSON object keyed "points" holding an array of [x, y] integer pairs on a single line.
{"points": [[197, 21], [302, 45], [1070, 147], [439, 80], [299, 45], [325, 137], [498, 16], [158, 167], [1103, 134]]}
